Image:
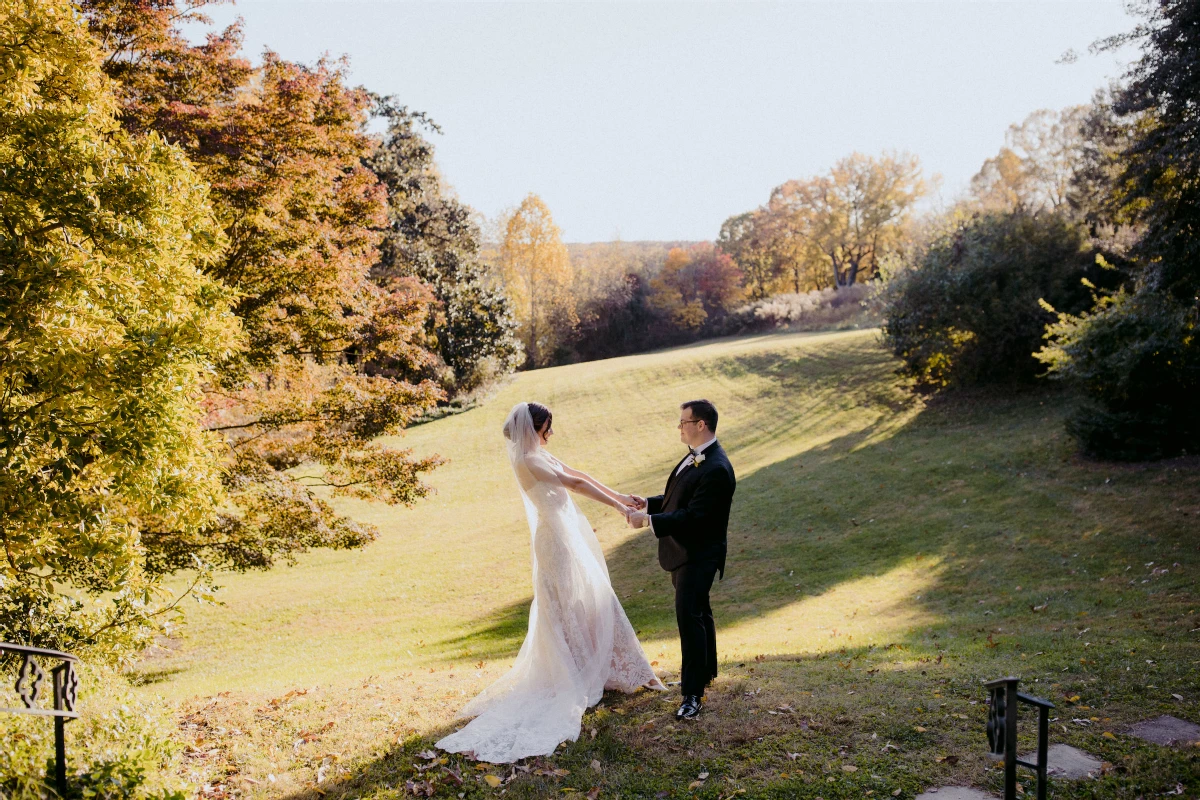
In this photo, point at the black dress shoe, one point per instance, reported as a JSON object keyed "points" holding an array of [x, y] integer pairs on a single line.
{"points": [[689, 708]]}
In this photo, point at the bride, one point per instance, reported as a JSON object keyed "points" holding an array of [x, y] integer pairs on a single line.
{"points": [[579, 641]]}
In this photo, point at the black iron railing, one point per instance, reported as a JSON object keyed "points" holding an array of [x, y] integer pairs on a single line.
{"points": [[1004, 700], [31, 688]]}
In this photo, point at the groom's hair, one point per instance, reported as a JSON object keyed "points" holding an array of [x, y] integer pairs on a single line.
{"points": [[702, 409]]}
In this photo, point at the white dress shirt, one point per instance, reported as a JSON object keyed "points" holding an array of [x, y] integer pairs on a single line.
{"points": [[691, 458], [687, 462]]}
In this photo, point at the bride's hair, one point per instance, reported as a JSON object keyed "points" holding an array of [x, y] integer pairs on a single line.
{"points": [[539, 415]]}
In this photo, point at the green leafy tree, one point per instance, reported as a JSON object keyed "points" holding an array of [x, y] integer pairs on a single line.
{"points": [[969, 312], [1136, 354], [110, 329], [431, 236]]}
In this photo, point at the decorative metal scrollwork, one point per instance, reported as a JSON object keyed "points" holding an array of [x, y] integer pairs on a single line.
{"points": [[66, 686], [996, 722], [1004, 703], [29, 681], [30, 678]]}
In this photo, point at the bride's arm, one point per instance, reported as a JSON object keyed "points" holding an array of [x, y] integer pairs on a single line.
{"points": [[578, 482], [614, 499]]}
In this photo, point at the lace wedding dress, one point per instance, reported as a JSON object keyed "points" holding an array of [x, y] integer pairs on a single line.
{"points": [[579, 641]]}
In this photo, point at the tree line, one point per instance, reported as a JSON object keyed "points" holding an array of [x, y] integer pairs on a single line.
{"points": [[1073, 256]]}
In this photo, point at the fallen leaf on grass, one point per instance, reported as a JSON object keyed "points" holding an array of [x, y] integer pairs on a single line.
{"points": [[596, 764], [849, 768], [695, 785], [428, 755], [1108, 735], [702, 776], [793, 756], [951, 760], [492, 781], [594, 793], [918, 729], [419, 788]]}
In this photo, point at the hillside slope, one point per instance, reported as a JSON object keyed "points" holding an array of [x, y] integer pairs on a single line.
{"points": [[886, 556]]}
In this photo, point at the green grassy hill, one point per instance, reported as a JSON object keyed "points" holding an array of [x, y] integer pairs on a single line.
{"points": [[885, 557]]}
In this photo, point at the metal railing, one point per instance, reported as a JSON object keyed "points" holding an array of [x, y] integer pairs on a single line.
{"points": [[1004, 701], [31, 679]]}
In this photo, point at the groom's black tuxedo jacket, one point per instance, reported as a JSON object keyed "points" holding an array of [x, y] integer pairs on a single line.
{"points": [[691, 517]]}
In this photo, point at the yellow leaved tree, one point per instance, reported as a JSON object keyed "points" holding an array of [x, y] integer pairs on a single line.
{"points": [[537, 274]]}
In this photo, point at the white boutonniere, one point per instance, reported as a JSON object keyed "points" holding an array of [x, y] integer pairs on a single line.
{"points": [[697, 459]]}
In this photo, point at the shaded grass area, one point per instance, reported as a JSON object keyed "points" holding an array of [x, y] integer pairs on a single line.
{"points": [[886, 557]]}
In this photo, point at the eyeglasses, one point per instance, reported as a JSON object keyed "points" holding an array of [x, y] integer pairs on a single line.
{"points": [[683, 422]]}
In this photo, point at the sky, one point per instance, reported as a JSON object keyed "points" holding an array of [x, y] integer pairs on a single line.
{"points": [[659, 120]]}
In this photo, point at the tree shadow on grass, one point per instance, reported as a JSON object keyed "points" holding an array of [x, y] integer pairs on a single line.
{"points": [[783, 512], [781, 518], [1015, 589]]}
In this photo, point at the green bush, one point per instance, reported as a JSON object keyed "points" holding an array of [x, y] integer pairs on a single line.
{"points": [[967, 312], [1137, 358], [120, 748], [1136, 355]]}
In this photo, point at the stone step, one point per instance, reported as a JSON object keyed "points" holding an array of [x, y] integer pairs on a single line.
{"points": [[1167, 730]]}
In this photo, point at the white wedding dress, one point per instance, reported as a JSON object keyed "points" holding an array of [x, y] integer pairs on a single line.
{"points": [[579, 641]]}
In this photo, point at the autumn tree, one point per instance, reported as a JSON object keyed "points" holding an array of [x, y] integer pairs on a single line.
{"points": [[748, 239], [847, 221], [537, 276], [111, 325], [283, 147], [696, 285], [831, 230], [431, 236], [1035, 169]]}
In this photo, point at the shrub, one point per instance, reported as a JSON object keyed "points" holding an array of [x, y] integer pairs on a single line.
{"points": [[1137, 359], [968, 311], [820, 308], [120, 748]]}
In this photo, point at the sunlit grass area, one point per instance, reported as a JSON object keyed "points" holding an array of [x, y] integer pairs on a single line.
{"points": [[886, 556]]}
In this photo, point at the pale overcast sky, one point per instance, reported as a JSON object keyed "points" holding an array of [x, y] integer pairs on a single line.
{"points": [[659, 120]]}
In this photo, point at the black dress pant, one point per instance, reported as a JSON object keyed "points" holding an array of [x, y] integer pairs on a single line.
{"points": [[697, 633]]}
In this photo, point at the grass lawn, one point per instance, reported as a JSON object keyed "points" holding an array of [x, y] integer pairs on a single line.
{"points": [[886, 556]]}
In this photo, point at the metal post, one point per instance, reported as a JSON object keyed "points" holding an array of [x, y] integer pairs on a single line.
{"points": [[60, 757], [1005, 703], [1043, 744], [1010, 739]]}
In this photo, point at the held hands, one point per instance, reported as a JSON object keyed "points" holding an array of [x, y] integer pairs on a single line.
{"points": [[634, 512], [633, 501]]}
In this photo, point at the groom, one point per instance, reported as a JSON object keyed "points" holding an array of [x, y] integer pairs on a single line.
{"points": [[690, 519]]}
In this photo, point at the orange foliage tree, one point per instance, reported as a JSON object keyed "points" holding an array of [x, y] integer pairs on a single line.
{"points": [[695, 285], [282, 146]]}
